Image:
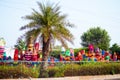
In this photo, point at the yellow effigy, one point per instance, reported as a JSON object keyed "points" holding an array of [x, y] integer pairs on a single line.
{"points": [[30, 47], [30, 44], [2, 42]]}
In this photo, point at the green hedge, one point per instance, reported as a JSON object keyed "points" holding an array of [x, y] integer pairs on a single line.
{"points": [[19, 71], [61, 70], [86, 69]]}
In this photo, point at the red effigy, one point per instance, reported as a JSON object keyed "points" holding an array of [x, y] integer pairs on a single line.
{"points": [[36, 46], [91, 47], [1, 49], [16, 54]]}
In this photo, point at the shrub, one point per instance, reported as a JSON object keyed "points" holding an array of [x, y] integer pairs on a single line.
{"points": [[19, 71], [61, 70], [57, 71], [94, 68]]}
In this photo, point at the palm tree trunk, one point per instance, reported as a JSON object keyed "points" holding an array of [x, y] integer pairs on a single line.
{"points": [[45, 54]]}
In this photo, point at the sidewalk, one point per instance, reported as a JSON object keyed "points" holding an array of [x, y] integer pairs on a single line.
{"points": [[97, 77]]}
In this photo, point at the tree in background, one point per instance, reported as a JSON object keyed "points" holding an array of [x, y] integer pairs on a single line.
{"points": [[115, 48], [20, 45], [48, 25], [96, 36]]}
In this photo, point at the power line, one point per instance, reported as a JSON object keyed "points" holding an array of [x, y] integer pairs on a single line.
{"points": [[11, 7], [16, 2], [19, 6]]}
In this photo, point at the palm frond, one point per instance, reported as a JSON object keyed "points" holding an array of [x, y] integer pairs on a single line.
{"points": [[29, 26]]}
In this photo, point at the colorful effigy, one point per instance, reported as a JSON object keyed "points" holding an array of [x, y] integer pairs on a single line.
{"points": [[16, 52], [2, 49], [32, 53], [93, 54], [67, 55]]}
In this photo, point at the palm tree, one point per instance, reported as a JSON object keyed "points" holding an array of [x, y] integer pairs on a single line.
{"points": [[49, 25], [20, 45]]}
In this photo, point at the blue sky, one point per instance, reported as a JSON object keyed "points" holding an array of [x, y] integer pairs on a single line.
{"points": [[83, 13]]}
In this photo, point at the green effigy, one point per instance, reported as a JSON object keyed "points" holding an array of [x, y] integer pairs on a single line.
{"points": [[67, 53], [107, 58]]}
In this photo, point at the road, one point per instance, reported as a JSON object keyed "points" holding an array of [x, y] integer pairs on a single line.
{"points": [[97, 77]]}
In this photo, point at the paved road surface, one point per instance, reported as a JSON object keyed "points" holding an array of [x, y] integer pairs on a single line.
{"points": [[98, 77]]}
